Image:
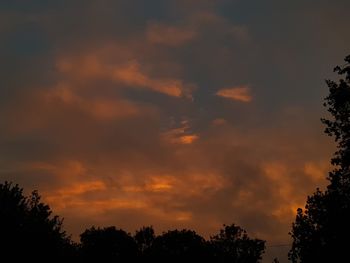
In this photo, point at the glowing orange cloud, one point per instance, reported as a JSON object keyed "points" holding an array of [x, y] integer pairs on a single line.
{"points": [[240, 93], [188, 139], [180, 135], [132, 75]]}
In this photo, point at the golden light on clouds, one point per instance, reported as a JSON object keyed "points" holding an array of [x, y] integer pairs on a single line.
{"points": [[160, 184], [82, 188], [240, 93], [131, 75], [180, 135], [188, 139]]}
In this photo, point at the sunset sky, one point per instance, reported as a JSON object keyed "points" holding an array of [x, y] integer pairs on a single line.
{"points": [[171, 113]]}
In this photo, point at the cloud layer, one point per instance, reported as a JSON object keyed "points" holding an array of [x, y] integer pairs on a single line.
{"points": [[131, 114]]}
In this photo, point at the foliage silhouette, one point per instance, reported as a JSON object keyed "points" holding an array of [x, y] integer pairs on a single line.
{"points": [[110, 245], [144, 239], [107, 245], [28, 229], [321, 232], [232, 244], [175, 245]]}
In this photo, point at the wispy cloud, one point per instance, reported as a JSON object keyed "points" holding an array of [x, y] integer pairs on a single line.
{"points": [[180, 135], [127, 72], [238, 93], [132, 75]]}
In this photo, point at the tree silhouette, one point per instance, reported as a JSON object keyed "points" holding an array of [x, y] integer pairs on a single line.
{"points": [[232, 244], [28, 229], [176, 246], [144, 239], [107, 245], [321, 232], [111, 245]]}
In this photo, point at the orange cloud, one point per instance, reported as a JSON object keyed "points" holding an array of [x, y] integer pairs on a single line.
{"points": [[131, 75], [219, 122], [317, 171], [81, 188], [190, 184], [180, 135], [169, 35], [160, 184], [103, 109], [83, 68], [240, 93], [187, 139]]}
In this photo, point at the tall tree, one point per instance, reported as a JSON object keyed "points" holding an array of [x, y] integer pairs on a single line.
{"points": [[321, 231], [28, 229]]}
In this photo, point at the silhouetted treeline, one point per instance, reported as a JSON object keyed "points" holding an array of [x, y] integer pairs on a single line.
{"points": [[29, 231]]}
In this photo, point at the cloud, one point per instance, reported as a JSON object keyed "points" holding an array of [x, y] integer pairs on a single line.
{"points": [[136, 170], [169, 35], [132, 76], [102, 109], [240, 93], [180, 135], [93, 115], [122, 71], [219, 122]]}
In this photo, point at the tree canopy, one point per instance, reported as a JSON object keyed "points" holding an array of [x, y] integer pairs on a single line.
{"points": [[107, 245], [232, 244], [28, 229], [321, 231]]}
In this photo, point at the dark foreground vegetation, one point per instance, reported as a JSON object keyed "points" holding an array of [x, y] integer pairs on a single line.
{"points": [[29, 231]]}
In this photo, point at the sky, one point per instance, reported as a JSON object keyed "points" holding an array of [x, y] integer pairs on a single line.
{"points": [[176, 114]]}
